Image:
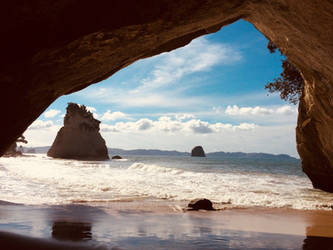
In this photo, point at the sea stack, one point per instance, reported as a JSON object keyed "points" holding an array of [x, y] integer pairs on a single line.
{"points": [[79, 138], [198, 152]]}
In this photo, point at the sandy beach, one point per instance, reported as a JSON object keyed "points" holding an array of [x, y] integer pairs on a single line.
{"points": [[141, 203], [161, 225]]}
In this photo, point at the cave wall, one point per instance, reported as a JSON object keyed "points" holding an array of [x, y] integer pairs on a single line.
{"points": [[52, 48], [303, 30]]}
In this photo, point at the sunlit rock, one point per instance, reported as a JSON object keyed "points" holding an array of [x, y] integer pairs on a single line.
{"points": [[79, 138]]}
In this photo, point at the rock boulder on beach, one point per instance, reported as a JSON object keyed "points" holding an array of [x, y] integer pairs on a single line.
{"points": [[204, 204]]}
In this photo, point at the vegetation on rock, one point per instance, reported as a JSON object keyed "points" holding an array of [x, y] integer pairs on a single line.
{"points": [[290, 82]]}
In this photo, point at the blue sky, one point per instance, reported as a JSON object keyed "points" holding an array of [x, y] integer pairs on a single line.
{"points": [[210, 92]]}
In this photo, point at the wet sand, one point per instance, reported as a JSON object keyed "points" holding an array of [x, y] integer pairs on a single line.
{"points": [[161, 225]]}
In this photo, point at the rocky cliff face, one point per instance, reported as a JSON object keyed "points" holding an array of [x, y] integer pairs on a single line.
{"points": [[12, 150], [79, 138], [51, 48]]}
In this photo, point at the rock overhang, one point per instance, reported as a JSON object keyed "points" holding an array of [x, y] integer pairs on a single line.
{"points": [[51, 48]]}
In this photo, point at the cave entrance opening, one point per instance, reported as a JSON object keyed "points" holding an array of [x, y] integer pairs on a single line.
{"points": [[210, 93]]}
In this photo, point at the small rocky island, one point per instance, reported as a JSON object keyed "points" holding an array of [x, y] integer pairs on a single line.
{"points": [[198, 152], [79, 138]]}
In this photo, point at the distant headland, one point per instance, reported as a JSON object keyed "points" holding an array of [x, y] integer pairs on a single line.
{"points": [[157, 152]]}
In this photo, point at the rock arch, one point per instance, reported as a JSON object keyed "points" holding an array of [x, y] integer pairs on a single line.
{"points": [[52, 48]]}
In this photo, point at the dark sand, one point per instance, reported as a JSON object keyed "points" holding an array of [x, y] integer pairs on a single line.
{"points": [[161, 225]]}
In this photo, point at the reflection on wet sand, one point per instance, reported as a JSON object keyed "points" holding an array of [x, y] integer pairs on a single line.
{"points": [[74, 231], [319, 233], [11, 241], [317, 243], [87, 227], [240, 240]]}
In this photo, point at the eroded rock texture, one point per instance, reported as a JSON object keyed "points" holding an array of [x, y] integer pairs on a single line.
{"points": [[51, 48], [79, 138]]}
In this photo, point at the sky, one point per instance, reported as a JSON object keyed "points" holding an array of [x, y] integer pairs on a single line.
{"points": [[210, 93]]}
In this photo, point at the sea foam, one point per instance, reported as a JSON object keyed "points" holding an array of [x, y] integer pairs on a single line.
{"points": [[43, 180]]}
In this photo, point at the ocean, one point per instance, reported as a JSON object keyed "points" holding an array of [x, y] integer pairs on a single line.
{"points": [[229, 183]]}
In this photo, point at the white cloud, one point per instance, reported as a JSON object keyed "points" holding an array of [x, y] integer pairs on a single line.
{"points": [[165, 85], [107, 128], [163, 99], [286, 110], [168, 124], [235, 110], [200, 127], [171, 134], [39, 124], [181, 117], [41, 133], [111, 116], [51, 113], [200, 55], [217, 110], [91, 109], [144, 124], [230, 138], [246, 126], [261, 111]]}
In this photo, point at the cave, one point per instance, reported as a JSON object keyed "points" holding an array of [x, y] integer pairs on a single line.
{"points": [[54, 48]]}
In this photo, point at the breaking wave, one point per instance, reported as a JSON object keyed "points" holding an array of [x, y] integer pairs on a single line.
{"points": [[43, 180]]}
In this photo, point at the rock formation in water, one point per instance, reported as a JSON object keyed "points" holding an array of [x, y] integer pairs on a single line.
{"points": [[79, 138], [116, 157], [204, 204], [198, 152], [69, 45]]}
